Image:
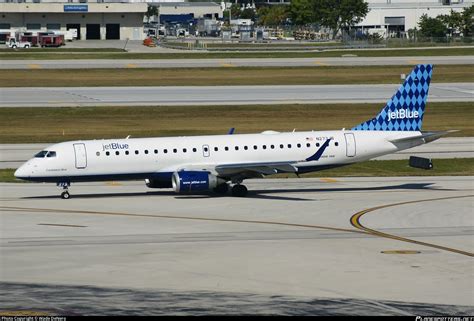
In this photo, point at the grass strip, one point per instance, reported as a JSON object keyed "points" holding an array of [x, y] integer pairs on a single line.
{"points": [[226, 76], [55, 124]]}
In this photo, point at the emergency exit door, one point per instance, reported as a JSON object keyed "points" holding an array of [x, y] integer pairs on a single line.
{"points": [[350, 145], [81, 155]]}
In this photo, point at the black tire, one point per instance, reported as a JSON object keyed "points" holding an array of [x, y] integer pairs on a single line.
{"points": [[221, 189], [65, 195], [239, 191], [14, 46], [26, 46]]}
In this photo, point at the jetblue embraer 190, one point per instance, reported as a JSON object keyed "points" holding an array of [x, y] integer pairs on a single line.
{"points": [[214, 163]]}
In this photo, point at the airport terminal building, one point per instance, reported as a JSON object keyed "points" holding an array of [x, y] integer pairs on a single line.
{"points": [[92, 19]]}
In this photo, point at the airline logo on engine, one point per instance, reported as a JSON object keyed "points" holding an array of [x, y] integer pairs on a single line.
{"points": [[114, 146], [402, 114]]}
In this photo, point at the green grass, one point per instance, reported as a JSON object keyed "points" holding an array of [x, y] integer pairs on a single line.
{"points": [[275, 54], [6, 176], [388, 168], [226, 76], [55, 124]]}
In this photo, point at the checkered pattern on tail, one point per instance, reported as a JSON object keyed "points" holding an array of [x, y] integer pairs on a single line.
{"points": [[404, 111]]}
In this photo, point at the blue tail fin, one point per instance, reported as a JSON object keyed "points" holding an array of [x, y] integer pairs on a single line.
{"points": [[404, 111]]}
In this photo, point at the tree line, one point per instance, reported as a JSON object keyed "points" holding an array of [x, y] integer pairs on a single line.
{"points": [[451, 25], [335, 14]]}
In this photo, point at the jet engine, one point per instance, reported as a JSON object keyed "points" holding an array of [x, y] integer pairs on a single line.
{"points": [[157, 183], [194, 181]]}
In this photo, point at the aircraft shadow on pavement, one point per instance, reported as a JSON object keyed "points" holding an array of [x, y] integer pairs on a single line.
{"points": [[257, 194]]}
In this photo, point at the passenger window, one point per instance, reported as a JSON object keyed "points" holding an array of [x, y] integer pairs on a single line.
{"points": [[41, 154], [246, 147], [98, 153], [117, 153], [281, 145], [264, 146], [317, 144], [226, 148], [184, 150], [146, 151], [194, 150], [136, 152], [156, 151], [336, 143], [127, 152], [298, 145], [289, 145], [165, 151], [216, 149], [272, 146], [175, 150], [236, 147], [206, 149], [107, 153], [308, 144], [255, 147]]}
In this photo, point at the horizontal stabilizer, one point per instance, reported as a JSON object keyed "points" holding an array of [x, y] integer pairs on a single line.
{"points": [[426, 136]]}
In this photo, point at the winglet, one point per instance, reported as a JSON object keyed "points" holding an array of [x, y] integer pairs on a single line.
{"points": [[231, 131], [319, 152]]}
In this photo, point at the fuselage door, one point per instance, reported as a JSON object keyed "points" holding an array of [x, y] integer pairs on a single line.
{"points": [[350, 145], [81, 156], [205, 150]]}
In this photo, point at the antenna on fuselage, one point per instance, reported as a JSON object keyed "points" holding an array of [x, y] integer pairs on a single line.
{"points": [[127, 137]]}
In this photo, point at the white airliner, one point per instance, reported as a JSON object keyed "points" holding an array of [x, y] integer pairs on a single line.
{"points": [[213, 163]]}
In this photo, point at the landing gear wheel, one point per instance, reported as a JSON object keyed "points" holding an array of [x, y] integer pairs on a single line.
{"points": [[222, 188], [239, 190], [65, 195]]}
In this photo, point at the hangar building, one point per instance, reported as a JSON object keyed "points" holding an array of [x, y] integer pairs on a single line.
{"points": [[398, 16], [93, 20]]}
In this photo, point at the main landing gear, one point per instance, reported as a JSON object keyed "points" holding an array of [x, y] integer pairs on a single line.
{"points": [[239, 190], [65, 194]]}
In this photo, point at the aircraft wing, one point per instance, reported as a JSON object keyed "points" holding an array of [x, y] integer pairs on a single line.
{"points": [[259, 168]]}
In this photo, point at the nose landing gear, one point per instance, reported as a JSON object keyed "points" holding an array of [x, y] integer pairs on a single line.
{"points": [[65, 194]]}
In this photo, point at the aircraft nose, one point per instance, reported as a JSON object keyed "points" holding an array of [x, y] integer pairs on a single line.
{"points": [[21, 172]]}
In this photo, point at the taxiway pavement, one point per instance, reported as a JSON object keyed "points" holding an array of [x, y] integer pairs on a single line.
{"points": [[219, 95], [291, 238], [231, 62]]}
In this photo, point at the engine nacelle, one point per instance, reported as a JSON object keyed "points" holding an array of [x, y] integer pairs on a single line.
{"points": [[157, 183], [194, 181]]}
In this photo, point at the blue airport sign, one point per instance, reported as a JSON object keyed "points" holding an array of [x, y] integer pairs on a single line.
{"points": [[76, 8]]}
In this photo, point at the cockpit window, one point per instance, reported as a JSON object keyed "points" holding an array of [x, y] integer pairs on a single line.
{"points": [[41, 154], [46, 153]]}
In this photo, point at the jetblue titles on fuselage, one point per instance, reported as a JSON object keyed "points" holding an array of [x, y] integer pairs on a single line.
{"points": [[113, 146]]}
